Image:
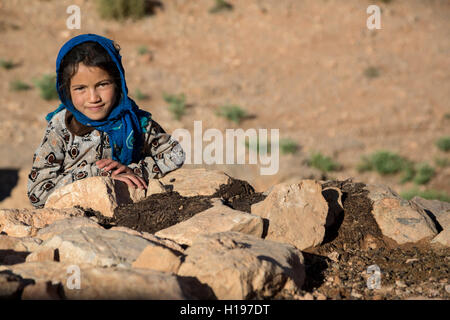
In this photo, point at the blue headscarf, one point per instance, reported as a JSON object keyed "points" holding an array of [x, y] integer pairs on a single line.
{"points": [[126, 122]]}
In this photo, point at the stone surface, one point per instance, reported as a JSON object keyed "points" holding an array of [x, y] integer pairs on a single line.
{"points": [[207, 182], [28, 244], [401, 220], [102, 194], [439, 209], [297, 213], [26, 222], [95, 246], [62, 225], [240, 266], [158, 258], [219, 218], [443, 238], [106, 283], [10, 285]]}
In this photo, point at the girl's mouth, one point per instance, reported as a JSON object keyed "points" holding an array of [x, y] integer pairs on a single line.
{"points": [[96, 108]]}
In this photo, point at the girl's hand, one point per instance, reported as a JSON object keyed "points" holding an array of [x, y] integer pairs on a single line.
{"points": [[131, 180], [109, 164]]}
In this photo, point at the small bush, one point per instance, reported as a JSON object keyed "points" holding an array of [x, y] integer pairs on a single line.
{"points": [[142, 50], [47, 87], [423, 174], [427, 194], [288, 146], [18, 85], [372, 72], [442, 162], [258, 145], [384, 162], [140, 95], [177, 104], [232, 112], [443, 144], [121, 9], [7, 64], [221, 5], [323, 163]]}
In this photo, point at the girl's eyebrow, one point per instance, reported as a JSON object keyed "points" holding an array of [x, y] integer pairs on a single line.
{"points": [[82, 85]]}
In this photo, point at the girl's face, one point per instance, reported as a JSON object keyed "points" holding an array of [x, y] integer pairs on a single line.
{"points": [[93, 92]]}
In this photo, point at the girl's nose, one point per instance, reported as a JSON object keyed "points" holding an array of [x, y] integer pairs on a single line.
{"points": [[93, 96]]}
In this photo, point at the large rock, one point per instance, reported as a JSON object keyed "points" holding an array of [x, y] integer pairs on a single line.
{"points": [[158, 258], [26, 222], [26, 244], [297, 213], [219, 218], [401, 220], [102, 194], [438, 210], [93, 246], [194, 182], [105, 283], [60, 226], [240, 266]]}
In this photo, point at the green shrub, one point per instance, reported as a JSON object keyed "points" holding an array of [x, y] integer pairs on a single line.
{"points": [[140, 95], [177, 104], [18, 85], [6, 64], [221, 5], [427, 194], [255, 147], [442, 162], [47, 87], [232, 112], [443, 144], [142, 50], [424, 174], [121, 9], [384, 162], [288, 146], [372, 72], [323, 163]]}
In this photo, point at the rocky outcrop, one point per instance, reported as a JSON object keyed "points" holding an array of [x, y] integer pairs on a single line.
{"points": [[101, 194], [220, 253], [399, 219]]}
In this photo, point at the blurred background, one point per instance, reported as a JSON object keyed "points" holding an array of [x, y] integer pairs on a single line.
{"points": [[371, 105]]}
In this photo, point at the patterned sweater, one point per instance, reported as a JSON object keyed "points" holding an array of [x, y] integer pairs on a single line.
{"points": [[69, 151]]}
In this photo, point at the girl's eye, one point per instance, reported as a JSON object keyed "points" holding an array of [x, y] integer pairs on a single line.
{"points": [[79, 88], [104, 84]]}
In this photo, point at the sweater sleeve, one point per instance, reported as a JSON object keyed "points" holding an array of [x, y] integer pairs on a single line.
{"points": [[48, 172], [161, 154]]}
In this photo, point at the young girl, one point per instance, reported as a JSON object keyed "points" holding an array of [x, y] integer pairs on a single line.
{"points": [[98, 130]]}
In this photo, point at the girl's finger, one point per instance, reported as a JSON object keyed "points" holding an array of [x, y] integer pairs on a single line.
{"points": [[126, 180], [120, 170]]}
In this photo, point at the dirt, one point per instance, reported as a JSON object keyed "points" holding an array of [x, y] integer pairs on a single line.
{"points": [[162, 210]]}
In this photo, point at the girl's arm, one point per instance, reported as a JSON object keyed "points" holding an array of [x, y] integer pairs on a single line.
{"points": [[162, 154], [48, 170]]}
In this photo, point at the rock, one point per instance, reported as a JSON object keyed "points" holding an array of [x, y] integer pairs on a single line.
{"points": [[95, 246], [153, 238], [26, 222], [399, 219], [65, 224], [297, 213], [438, 210], [240, 266], [42, 290], [219, 218], [27, 244], [108, 283], [207, 182], [102, 194], [159, 259], [18, 198], [443, 238], [155, 186], [10, 285]]}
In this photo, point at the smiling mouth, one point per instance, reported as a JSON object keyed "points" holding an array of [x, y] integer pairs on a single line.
{"points": [[96, 108]]}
